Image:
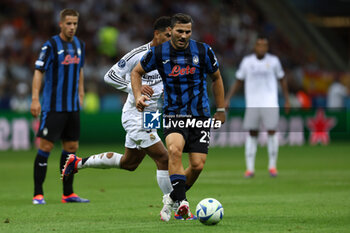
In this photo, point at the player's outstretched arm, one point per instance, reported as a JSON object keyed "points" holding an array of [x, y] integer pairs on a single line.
{"points": [[136, 84], [218, 91], [35, 107]]}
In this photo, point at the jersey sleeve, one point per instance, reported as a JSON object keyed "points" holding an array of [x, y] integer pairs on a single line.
{"points": [[211, 61], [148, 61], [119, 75], [45, 57], [278, 69], [241, 73]]}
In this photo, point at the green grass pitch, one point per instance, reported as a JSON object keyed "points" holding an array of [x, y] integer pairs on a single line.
{"points": [[311, 194]]}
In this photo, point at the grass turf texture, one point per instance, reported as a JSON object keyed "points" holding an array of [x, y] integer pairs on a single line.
{"points": [[311, 194]]}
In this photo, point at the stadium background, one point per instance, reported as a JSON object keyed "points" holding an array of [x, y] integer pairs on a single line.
{"points": [[311, 39]]}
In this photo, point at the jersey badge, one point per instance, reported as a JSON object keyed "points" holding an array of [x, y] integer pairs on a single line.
{"points": [[195, 59], [121, 63]]}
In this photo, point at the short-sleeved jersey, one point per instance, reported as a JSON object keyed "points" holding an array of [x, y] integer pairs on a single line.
{"points": [[61, 61], [184, 74], [119, 77], [260, 79]]}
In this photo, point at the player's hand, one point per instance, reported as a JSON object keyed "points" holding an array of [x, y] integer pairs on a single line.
{"points": [[141, 103], [35, 108], [147, 90], [220, 116]]}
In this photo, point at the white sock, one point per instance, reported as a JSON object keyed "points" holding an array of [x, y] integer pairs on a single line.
{"points": [[103, 160], [164, 181], [250, 152], [272, 148]]}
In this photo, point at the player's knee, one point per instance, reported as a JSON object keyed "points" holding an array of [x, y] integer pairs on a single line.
{"points": [[254, 133], [174, 151], [271, 132], [198, 166], [46, 147]]}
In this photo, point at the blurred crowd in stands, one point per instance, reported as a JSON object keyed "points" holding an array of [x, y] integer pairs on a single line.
{"points": [[110, 28]]}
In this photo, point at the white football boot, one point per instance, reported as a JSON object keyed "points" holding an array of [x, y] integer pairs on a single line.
{"points": [[165, 213]]}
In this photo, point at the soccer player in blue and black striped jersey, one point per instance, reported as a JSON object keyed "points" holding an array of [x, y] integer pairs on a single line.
{"points": [[61, 60], [183, 65]]}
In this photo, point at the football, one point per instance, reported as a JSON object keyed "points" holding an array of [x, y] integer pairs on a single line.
{"points": [[209, 211]]}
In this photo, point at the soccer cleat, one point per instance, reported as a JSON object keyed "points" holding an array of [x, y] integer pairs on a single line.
{"points": [[273, 172], [249, 174], [73, 198], [190, 216], [71, 165], [39, 200], [165, 213], [184, 209]]}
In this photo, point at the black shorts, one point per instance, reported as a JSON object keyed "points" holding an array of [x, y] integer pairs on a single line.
{"points": [[59, 125], [197, 139]]}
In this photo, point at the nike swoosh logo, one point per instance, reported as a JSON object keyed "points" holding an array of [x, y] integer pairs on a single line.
{"points": [[61, 51], [166, 61], [42, 164], [175, 183]]}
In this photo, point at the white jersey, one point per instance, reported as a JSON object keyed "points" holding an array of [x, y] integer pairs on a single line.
{"points": [[336, 94], [260, 79], [119, 77]]}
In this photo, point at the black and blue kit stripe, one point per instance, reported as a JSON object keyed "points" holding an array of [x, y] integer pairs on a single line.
{"points": [[184, 74], [61, 62]]}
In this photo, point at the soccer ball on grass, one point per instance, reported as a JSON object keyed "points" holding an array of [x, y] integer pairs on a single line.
{"points": [[209, 211]]}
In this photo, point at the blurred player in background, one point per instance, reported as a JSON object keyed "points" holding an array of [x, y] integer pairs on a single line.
{"points": [[183, 64], [62, 60], [337, 92], [260, 72], [138, 141]]}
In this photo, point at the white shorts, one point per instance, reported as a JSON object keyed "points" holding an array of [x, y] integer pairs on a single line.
{"points": [[254, 116], [136, 135]]}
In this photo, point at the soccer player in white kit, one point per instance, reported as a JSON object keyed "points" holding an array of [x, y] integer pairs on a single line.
{"points": [[260, 73], [138, 141]]}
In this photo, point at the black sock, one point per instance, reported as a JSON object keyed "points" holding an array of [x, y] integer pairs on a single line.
{"points": [[67, 181], [40, 167], [187, 187], [178, 182]]}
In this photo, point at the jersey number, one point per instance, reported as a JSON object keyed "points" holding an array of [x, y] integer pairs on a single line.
{"points": [[205, 135]]}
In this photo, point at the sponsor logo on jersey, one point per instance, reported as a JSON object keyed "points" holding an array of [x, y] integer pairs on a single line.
{"points": [[70, 60], [177, 70]]}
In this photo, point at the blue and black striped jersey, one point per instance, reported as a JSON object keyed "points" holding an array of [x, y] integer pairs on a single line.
{"points": [[184, 74], [61, 61]]}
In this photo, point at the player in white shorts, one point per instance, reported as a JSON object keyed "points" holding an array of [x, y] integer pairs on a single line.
{"points": [[138, 141], [260, 73]]}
